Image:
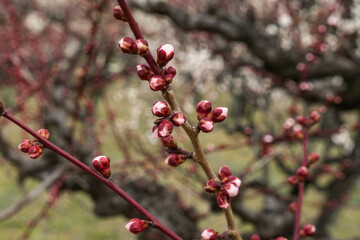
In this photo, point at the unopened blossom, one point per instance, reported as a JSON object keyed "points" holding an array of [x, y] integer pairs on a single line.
{"points": [[119, 14], [25, 145], [126, 45], [165, 128], [157, 83], [223, 200], [169, 141], [141, 47], [302, 173], [137, 225], [308, 230], [102, 165], [175, 159], [211, 186], [219, 114], [144, 72], [224, 172], [44, 133], [203, 108], [35, 151], [164, 54], [161, 109], [209, 234], [178, 119], [206, 124]]}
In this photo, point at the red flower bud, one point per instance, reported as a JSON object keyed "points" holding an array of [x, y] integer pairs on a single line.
{"points": [[174, 159], [224, 172], [126, 45], [223, 200], [302, 120], [302, 173], [144, 72], [25, 145], [157, 83], [102, 165], [164, 54], [293, 207], [206, 124], [313, 157], [170, 71], [314, 117], [219, 114], [209, 234], [308, 230], [203, 108], [233, 180], [231, 189], [168, 78], [211, 186], [118, 13], [169, 141], [137, 225], [255, 237], [44, 133], [161, 109], [165, 128], [293, 180], [141, 47], [35, 151], [178, 119]]}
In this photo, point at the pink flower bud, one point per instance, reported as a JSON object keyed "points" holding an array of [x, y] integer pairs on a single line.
{"points": [[313, 157], [308, 230], [137, 225], [255, 237], [232, 179], [281, 238], [224, 172], [231, 189], [44, 133], [161, 109], [25, 145], [164, 54], [178, 119], [126, 45], [211, 186], [169, 141], [165, 128], [141, 47], [155, 131], [209, 234], [223, 200], [157, 83], [144, 72], [302, 120], [170, 71], [102, 165], [219, 114], [302, 173], [118, 13], [314, 117], [206, 124], [203, 108], [35, 151], [293, 207], [293, 180], [174, 159]]}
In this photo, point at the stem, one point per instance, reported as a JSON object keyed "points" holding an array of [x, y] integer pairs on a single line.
{"points": [[301, 186], [108, 182]]}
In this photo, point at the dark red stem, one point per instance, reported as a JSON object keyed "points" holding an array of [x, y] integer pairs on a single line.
{"points": [[301, 186], [108, 182]]}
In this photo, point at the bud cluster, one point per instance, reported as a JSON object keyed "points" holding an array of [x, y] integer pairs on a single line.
{"points": [[102, 165], [139, 46], [313, 118], [137, 225], [207, 118], [164, 127], [303, 171], [156, 82], [33, 147], [227, 189], [292, 130]]}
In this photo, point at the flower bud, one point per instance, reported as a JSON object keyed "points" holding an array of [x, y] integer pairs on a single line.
{"points": [[161, 109], [169, 141], [209, 234], [232, 179], [157, 83], [219, 114], [302, 173], [155, 131], [25, 145], [302, 120], [231, 189], [211, 186], [102, 165], [118, 13], [164, 54], [170, 71], [168, 78], [224, 172], [165, 128], [178, 119], [137, 225], [35, 151], [281, 238], [293, 180], [223, 200], [203, 108], [293, 207], [314, 117], [308, 230], [206, 124], [313, 157], [144, 72], [175, 159], [44, 133], [255, 237], [126, 45], [141, 47]]}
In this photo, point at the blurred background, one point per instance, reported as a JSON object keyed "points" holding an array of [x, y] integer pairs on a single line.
{"points": [[268, 61]]}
